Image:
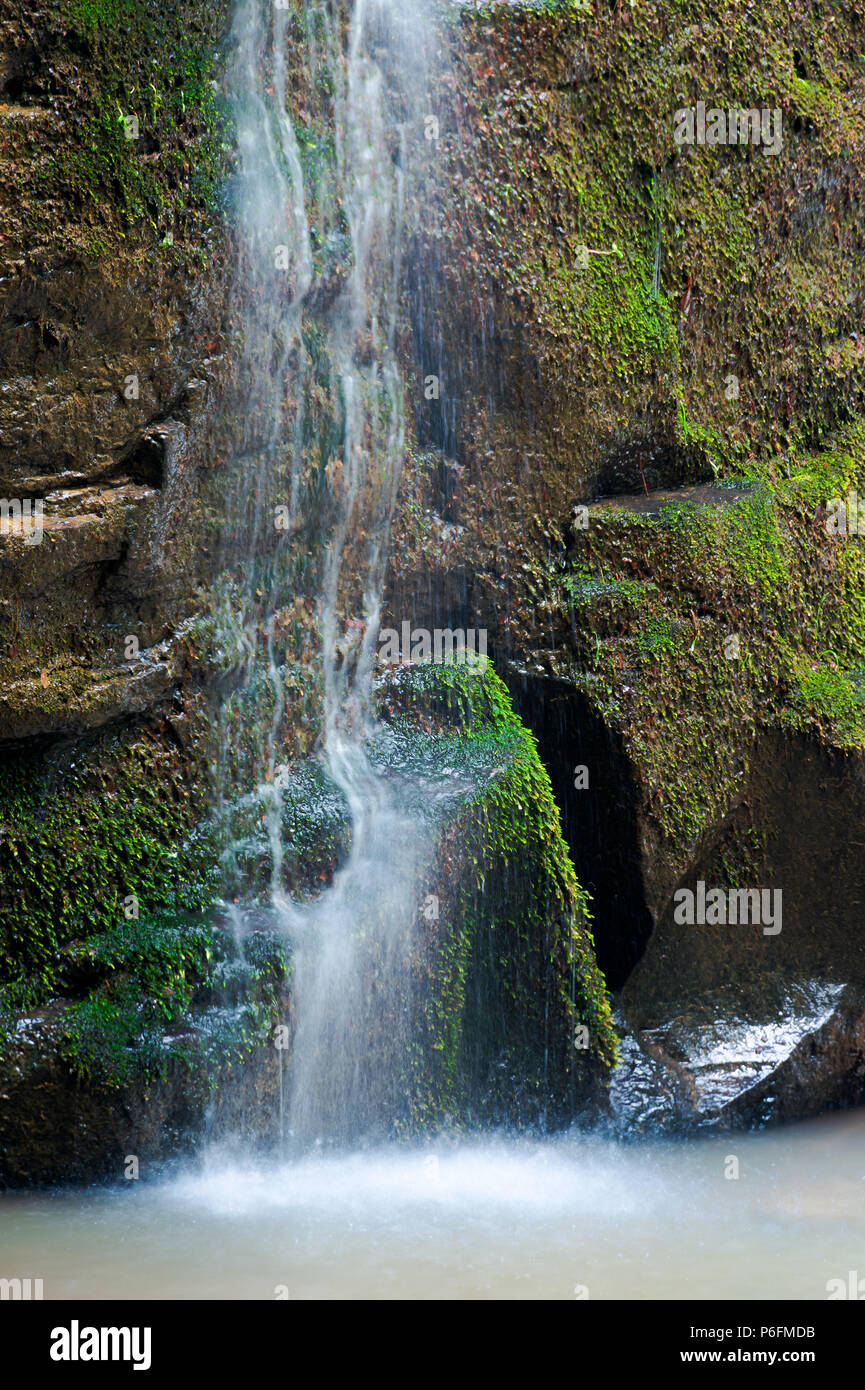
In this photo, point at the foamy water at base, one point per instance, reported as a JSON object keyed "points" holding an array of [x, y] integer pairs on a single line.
{"points": [[501, 1218]]}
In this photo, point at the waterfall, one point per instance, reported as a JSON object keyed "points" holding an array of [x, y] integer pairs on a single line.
{"points": [[274, 276], [351, 947]]}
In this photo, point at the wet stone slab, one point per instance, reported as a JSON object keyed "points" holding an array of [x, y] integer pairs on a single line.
{"points": [[653, 502], [712, 1067]]}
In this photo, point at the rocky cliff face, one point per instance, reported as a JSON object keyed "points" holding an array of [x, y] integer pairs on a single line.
{"points": [[603, 310], [112, 289], [113, 285]]}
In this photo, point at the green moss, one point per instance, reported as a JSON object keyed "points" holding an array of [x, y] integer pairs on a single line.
{"points": [[87, 845], [660, 636], [96, 14], [513, 975], [165, 1002], [154, 66], [743, 538], [693, 632], [833, 699], [627, 326]]}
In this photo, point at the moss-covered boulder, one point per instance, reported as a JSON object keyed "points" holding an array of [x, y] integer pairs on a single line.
{"points": [[160, 1039], [514, 1022]]}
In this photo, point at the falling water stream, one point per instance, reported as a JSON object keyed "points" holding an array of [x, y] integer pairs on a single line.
{"points": [[373, 58], [341, 1213]]}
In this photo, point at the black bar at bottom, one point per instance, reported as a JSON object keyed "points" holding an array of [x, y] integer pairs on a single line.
{"points": [[192, 1338]]}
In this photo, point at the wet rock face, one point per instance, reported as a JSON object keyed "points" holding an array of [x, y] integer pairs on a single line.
{"points": [[60, 1129], [643, 454], [111, 290], [716, 1065], [603, 307], [697, 734], [761, 1022], [795, 835], [645, 418], [687, 344]]}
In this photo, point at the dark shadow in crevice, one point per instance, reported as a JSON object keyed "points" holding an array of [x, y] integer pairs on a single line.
{"points": [[598, 821], [146, 463], [21, 74], [649, 464]]}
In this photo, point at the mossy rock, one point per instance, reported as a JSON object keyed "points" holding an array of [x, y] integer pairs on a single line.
{"points": [[516, 1021]]}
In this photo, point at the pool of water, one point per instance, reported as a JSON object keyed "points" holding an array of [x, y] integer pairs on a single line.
{"points": [[495, 1217]]}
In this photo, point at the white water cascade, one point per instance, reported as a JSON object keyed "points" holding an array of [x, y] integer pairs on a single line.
{"points": [[352, 945]]}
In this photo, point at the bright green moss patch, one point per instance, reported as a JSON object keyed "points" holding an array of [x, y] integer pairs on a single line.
{"points": [[513, 976], [98, 14], [659, 637], [628, 326], [176, 993], [89, 843], [833, 700], [743, 538]]}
